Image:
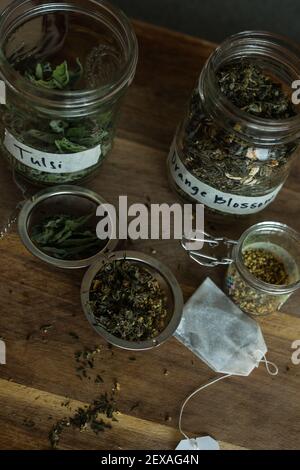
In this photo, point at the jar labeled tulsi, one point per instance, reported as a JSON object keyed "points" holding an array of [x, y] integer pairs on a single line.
{"points": [[65, 67]]}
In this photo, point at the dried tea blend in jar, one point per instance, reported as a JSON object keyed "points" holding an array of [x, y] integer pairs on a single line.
{"points": [[234, 149], [266, 268], [263, 265], [66, 67]]}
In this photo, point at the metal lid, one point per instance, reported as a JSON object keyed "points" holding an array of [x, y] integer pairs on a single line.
{"points": [[63, 199], [167, 282]]}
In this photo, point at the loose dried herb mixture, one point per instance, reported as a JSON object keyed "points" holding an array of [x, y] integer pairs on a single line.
{"points": [[66, 237], [128, 302], [250, 90], [86, 417], [221, 158], [85, 362], [266, 267]]}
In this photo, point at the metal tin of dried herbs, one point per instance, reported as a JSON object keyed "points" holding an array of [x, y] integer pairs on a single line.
{"points": [[63, 204], [159, 278]]}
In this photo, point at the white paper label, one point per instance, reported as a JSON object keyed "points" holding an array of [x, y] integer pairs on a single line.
{"points": [[201, 443], [51, 162], [2, 92], [212, 197]]}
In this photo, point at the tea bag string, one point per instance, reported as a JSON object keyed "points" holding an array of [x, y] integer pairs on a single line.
{"points": [[269, 365], [191, 396]]}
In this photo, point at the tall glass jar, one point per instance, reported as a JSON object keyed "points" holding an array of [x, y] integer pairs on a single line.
{"points": [[65, 66], [253, 295], [230, 159]]}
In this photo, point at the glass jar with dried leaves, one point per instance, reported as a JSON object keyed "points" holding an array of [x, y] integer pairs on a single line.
{"points": [[66, 66], [266, 268], [234, 149]]}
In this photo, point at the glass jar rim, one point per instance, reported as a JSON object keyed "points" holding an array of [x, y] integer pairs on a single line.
{"points": [[246, 273], [61, 99], [261, 131]]}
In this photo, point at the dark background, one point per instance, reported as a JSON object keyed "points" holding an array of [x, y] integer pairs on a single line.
{"points": [[217, 19]]}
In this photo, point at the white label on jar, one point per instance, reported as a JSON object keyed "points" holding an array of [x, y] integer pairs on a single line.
{"points": [[212, 197], [2, 92], [51, 162]]}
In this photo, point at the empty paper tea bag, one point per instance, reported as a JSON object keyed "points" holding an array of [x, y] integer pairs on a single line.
{"points": [[219, 333]]}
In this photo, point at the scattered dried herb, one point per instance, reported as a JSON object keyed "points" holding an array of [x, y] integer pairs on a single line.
{"points": [[29, 423], [74, 335], [46, 328], [56, 431], [66, 403], [84, 418], [85, 361], [134, 406], [116, 387], [66, 237], [99, 380], [128, 302]]}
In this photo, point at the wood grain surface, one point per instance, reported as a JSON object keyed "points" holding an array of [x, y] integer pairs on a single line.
{"points": [[256, 412]]}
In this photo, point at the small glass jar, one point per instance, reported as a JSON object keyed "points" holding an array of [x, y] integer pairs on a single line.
{"points": [[252, 295], [51, 135], [234, 162]]}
